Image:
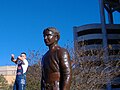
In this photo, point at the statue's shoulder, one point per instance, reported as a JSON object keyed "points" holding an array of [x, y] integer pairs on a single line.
{"points": [[61, 50]]}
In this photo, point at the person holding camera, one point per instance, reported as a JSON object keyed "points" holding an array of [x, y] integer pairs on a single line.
{"points": [[20, 81]]}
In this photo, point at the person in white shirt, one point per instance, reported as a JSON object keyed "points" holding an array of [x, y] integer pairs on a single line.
{"points": [[20, 81]]}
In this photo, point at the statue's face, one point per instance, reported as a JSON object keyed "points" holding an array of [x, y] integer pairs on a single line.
{"points": [[49, 38]]}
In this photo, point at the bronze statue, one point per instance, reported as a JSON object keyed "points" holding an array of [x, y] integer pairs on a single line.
{"points": [[56, 66]]}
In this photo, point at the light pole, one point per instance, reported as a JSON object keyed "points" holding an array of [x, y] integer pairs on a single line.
{"points": [[104, 35]]}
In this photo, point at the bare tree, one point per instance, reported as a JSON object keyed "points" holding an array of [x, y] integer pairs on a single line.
{"points": [[34, 71], [90, 71]]}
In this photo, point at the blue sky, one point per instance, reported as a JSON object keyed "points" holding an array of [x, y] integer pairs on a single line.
{"points": [[22, 23]]}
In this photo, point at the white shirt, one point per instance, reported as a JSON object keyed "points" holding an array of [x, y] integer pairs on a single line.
{"points": [[25, 65]]}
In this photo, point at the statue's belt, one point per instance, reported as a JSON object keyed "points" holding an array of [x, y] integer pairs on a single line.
{"points": [[53, 81], [55, 84]]}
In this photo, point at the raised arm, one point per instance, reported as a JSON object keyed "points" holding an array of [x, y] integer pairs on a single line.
{"points": [[13, 59]]}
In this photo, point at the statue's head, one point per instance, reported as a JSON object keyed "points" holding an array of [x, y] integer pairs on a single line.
{"points": [[51, 35]]}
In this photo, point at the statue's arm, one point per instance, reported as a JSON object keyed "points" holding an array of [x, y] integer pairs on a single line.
{"points": [[65, 69]]}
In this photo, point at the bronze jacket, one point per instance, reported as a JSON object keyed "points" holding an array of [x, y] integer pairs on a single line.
{"points": [[56, 70]]}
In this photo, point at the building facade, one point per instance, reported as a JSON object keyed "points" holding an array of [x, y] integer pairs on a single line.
{"points": [[9, 73], [90, 37]]}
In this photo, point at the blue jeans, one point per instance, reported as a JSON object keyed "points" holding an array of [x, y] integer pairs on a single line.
{"points": [[20, 82]]}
